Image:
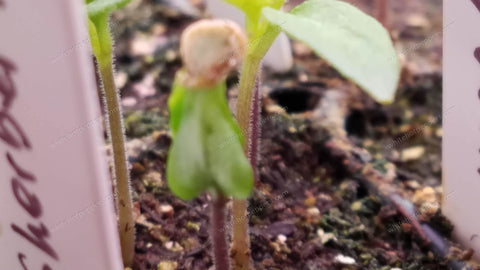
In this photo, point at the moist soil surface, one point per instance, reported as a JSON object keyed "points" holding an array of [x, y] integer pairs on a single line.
{"points": [[309, 210]]}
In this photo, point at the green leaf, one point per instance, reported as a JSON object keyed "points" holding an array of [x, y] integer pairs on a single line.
{"points": [[227, 163], [97, 7], [94, 40], [354, 43], [100, 39], [207, 148], [99, 31], [187, 170], [250, 7], [252, 10], [176, 104]]}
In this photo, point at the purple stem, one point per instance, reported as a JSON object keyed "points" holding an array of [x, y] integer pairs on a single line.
{"points": [[255, 128], [220, 245]]}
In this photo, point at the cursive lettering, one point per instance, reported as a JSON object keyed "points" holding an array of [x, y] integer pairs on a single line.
{"points": [[13, 136]]}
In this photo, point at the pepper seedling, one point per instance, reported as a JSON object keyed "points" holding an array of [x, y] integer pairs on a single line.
{"points": [[207, 154], [100, 38], [351, 41]]}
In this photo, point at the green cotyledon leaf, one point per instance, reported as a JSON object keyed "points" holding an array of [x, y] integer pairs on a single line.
{"points": [[177, 105], [353, 42], [251, 7], [187, 170], [98, 28], [98, 7], [228, 165], [206, 153], [252, 10], [94, 40]]}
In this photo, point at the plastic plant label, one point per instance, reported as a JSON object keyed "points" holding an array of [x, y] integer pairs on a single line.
{"points": [[461, 121], [56, 200]]}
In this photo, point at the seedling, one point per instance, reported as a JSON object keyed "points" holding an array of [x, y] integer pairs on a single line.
{"points": [[100, 38], [206, 154], [351, 41]]}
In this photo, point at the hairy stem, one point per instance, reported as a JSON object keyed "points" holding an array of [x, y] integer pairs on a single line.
{"points": [[219, 238], [247, 117], [126, 226], [255, 128], [240, 238]]}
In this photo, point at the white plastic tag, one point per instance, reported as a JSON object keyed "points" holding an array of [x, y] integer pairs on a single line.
{"points": [[56, 203], [461, 127]]}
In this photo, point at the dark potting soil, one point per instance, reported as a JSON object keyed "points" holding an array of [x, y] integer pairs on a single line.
{"points": [[309, 210]]}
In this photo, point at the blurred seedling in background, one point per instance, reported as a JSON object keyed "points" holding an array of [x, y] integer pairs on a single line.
{"points": [[351, 41], [101, 40], [200, 120]]}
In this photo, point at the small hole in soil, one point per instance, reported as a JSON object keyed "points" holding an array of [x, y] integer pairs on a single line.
{"points": [[362, 190], [378, 117], [419, 97], [295, 99], [355, 124]]}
